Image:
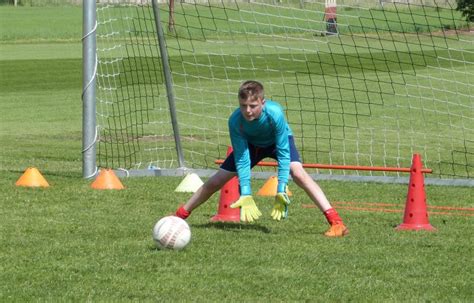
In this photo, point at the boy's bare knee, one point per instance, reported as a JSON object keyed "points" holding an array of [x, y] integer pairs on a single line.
{"points": [[211, 186], [216, 182], [298, 174]]}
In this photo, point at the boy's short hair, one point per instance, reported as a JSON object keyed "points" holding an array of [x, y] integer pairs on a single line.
{"points": [[252, 89]]}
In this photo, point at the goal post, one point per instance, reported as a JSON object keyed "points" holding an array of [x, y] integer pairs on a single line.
{"points": [[390, 81], [167, 76], [89, 55]]}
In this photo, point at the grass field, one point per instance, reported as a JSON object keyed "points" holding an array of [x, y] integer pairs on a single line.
{"points": [[71, 243]]}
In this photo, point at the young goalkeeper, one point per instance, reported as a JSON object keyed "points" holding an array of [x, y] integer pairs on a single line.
{"points": [[258, 129]]}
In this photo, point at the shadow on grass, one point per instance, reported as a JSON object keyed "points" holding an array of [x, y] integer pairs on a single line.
{"points": [[234, 226]]}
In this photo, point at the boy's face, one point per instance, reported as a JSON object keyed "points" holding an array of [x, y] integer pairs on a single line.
{"points": [[251, 108]]}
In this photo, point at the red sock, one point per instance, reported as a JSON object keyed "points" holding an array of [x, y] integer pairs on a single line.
{"points": [[182, 213], [332, 216]]}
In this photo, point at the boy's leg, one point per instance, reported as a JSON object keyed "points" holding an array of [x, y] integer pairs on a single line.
{"points": [[312, 189], [213, 184]]}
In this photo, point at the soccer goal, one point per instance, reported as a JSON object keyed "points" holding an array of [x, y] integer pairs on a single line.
{"points": [[364, 84]]}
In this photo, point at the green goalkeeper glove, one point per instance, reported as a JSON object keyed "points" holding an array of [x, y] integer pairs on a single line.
{"points": [[248, 209], [280, 206]]}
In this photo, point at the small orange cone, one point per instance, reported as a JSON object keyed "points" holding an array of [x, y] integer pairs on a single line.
{"points": [[107, 180], [270, 188], [32, 178], [416, 215], [229, 194]]}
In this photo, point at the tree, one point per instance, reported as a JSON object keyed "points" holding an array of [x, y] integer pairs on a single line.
{"points": [[466, 7]]}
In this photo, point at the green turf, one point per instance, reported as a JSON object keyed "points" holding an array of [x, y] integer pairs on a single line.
{"points": [[71, 243], [27, 24]]}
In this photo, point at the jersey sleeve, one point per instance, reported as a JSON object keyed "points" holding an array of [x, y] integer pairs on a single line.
{"points": [[241, 156], [282, 148]]}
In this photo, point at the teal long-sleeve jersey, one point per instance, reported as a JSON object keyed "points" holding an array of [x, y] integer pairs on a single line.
{"points": [[271, 128]]}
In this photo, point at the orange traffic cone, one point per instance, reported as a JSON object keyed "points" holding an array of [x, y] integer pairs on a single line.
{"points": [[107, 180], [32, 178], [416, 215], [229, 194], [270, 188]]}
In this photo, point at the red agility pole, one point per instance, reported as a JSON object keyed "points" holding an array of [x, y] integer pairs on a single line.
{"points": [[345, 167]]}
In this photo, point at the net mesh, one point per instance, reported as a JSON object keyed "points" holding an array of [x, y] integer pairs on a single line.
{"points": [[372, 88]]}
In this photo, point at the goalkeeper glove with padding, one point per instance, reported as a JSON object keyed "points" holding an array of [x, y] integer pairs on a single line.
{"points": [[280, 206], [248, 209]]}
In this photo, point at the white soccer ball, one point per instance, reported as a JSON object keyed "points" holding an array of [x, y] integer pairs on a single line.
{"points": [[171, 232]]}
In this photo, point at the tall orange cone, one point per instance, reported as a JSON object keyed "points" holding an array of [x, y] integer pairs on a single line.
{"points": [[270, 188], [229, 194], [32, 178], [107, 180], [416, 215]]}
